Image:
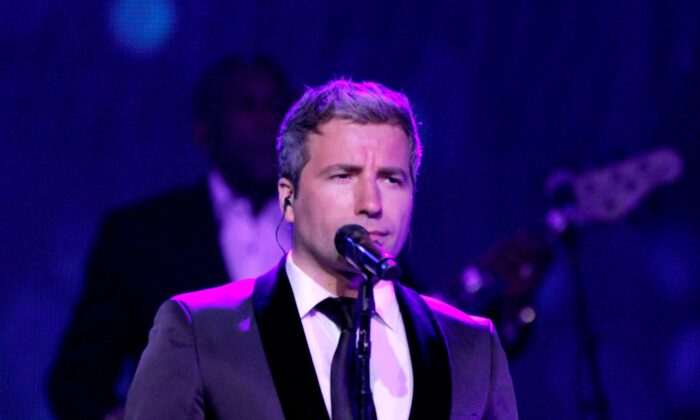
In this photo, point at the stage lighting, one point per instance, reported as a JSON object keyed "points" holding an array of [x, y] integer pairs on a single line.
{"points": [[142, 26]]}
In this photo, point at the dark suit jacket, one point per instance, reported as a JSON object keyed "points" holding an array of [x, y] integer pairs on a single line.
{"points": [[144, 254], [239, 351]]}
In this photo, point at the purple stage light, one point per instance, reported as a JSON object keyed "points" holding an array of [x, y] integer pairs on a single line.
{"points": [[142, 27]]}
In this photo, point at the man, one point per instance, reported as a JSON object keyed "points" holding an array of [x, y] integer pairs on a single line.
{"points": [[221, 229], [348, 153]]}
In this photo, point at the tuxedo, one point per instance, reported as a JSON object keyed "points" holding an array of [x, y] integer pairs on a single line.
{"points": [[144, 254], [239, 351]]}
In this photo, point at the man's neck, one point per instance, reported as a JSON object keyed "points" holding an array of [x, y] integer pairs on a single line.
{"points": [[258, 196], [335, 282]]}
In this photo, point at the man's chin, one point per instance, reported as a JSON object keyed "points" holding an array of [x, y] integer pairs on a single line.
{"points": [[344, 268], [350, 273]]}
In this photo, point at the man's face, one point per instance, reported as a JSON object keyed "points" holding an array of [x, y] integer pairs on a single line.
{"points": [[243, 146], [356, 174]]}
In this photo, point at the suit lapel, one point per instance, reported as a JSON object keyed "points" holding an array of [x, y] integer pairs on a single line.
{"points": [[292, 369], [285, 347], [432, 381]]}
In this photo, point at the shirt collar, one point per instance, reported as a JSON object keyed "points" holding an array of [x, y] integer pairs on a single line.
{"points": [[225, 201], [385, 303], [308, 294]]}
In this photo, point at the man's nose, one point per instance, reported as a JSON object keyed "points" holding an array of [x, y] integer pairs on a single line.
{"points": [[368, 198]]}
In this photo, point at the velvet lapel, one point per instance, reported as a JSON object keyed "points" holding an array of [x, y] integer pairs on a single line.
{"points": [[285, 347], [432, 381]]}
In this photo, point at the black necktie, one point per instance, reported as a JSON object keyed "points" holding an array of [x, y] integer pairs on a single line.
{"points": [[343, 400]]}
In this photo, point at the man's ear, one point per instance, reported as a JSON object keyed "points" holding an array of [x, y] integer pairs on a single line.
{"points": [[285, 194]]}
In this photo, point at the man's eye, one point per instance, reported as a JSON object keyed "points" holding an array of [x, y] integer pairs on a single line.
{"points": [[394, 180], [340, 176]]}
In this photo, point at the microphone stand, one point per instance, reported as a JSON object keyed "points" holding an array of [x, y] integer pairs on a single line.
{"points": [[364, 310], [586, 338]]}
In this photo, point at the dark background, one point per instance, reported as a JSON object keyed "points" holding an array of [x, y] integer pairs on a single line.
{"points": [[95, 102]]}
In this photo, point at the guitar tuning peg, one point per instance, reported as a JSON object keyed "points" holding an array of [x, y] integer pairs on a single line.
{"points": [[527, 315]]}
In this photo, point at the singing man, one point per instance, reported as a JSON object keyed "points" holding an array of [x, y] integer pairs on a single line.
{"points": [[263, 348]]}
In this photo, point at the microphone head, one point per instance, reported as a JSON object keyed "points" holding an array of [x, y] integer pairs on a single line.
{"points": [[355, 232], [355, 245]]}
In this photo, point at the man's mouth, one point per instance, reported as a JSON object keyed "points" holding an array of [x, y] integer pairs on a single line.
{"points": [[378, 236]]}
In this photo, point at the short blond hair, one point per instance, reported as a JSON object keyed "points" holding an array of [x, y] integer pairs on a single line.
{"points": [[363, 103]]}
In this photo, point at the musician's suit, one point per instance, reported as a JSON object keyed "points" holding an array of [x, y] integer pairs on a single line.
{"points": [[239, 351]]}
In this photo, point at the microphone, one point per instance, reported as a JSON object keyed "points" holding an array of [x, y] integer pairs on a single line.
{"points": [[353, 243]]}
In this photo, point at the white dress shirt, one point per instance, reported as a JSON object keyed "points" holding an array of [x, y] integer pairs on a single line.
{"points": [[391, 374], [247, 240]]}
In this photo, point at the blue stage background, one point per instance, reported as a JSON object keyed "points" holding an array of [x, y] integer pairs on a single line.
{"points": [[95, 101]]}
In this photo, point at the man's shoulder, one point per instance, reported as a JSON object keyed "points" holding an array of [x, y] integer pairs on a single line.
{"points": [[448, 314], [231, 296], [175, 214], [164, 206]]}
